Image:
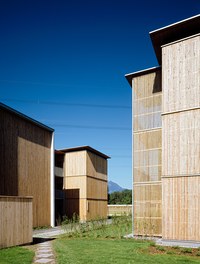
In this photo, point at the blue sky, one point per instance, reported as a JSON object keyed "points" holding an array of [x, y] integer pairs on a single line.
{"points": [[63, 64]]}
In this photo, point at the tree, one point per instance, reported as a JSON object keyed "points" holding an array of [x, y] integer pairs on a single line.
{"points": [[123, 197]]}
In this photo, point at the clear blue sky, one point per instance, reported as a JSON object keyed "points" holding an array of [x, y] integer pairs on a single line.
{"points": [[63, 64]]}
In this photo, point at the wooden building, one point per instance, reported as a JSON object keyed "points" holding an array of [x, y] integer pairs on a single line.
{"points": [[83, 176], [147, 189], [27, 162], [177, 48]]}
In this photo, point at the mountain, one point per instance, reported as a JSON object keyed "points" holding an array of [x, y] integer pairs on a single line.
{"points": [[114, 187]]}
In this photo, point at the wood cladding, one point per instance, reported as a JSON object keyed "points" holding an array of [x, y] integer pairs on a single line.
{"points": [[97, 189], [180, 73], [181, 139], [166, 135], [148, 209], [25, 163], [96, 209], [147, 159], [181, 208], [181, 142], [96, 166], [85, 172], [19, 210], [75, 163]]}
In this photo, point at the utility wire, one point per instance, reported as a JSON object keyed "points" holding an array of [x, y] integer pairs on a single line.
{"points": [[89, 127], [65, 103]]}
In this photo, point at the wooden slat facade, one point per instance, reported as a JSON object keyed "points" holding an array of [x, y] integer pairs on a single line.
{"points": [[147, 158], [15, 221], [181, 139], [85, 172], [25, 159], [177, 150]]}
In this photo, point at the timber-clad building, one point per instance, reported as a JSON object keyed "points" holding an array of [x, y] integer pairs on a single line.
{"points": [[81, 183], [27, 162], [53, 183], [166, 136]]}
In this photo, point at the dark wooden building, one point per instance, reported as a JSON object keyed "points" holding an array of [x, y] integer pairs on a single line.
{"points": [[27, 162]]}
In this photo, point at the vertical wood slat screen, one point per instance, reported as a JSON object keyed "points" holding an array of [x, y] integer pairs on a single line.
{"points": [[181, 139], [147, 154]]}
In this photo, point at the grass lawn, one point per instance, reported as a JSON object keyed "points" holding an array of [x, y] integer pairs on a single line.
{"points": [[106, 245], [16, 255], [121, 251]]}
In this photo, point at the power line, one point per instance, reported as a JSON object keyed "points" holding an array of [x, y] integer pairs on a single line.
{"points": [[121, 156], [89, 127], [66, 103]]}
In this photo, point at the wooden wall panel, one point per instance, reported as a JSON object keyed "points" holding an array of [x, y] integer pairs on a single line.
{"points": [[77, 207], [181, 139], [181, 143], [77, 182], [96, 209], [15, 221], [151, 139], [148, 209], [181, 208], [75, 163], [8, 154], [147, 157], [97, 189], [181, 82], [25, 163], [96, 166]]}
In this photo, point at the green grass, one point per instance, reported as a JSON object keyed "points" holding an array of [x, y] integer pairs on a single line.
{"points": [[100, 243], [120, 251], [16, 255], [99, 228]]}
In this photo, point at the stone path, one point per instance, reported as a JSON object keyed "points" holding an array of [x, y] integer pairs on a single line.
{"points": [[44, 253], [43, 245]]}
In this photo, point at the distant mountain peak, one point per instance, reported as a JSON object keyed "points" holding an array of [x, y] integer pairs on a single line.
{"points": [[114, 187]]}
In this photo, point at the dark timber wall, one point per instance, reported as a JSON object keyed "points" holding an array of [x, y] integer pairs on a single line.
{"points": [[25, 152]]}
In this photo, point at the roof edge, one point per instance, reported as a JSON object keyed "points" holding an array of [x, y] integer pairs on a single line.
{"points": [[173, 32], [130, 76], [19, 114], [174, 24], [81, 148]]}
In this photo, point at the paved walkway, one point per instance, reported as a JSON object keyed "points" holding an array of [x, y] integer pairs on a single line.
{"points": [[49, 233], [44, 253], [42, 240]]}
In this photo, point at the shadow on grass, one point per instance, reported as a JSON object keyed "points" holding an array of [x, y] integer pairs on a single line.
{"points": [[38, 240]]}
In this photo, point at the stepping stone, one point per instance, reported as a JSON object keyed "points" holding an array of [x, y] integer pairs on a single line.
{"points": [[44, 260], [44, 250], [45, 243], [44, 255]]}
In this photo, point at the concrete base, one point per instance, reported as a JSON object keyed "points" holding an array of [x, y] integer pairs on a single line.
{"points": [[180, 243], [169, 243]]}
